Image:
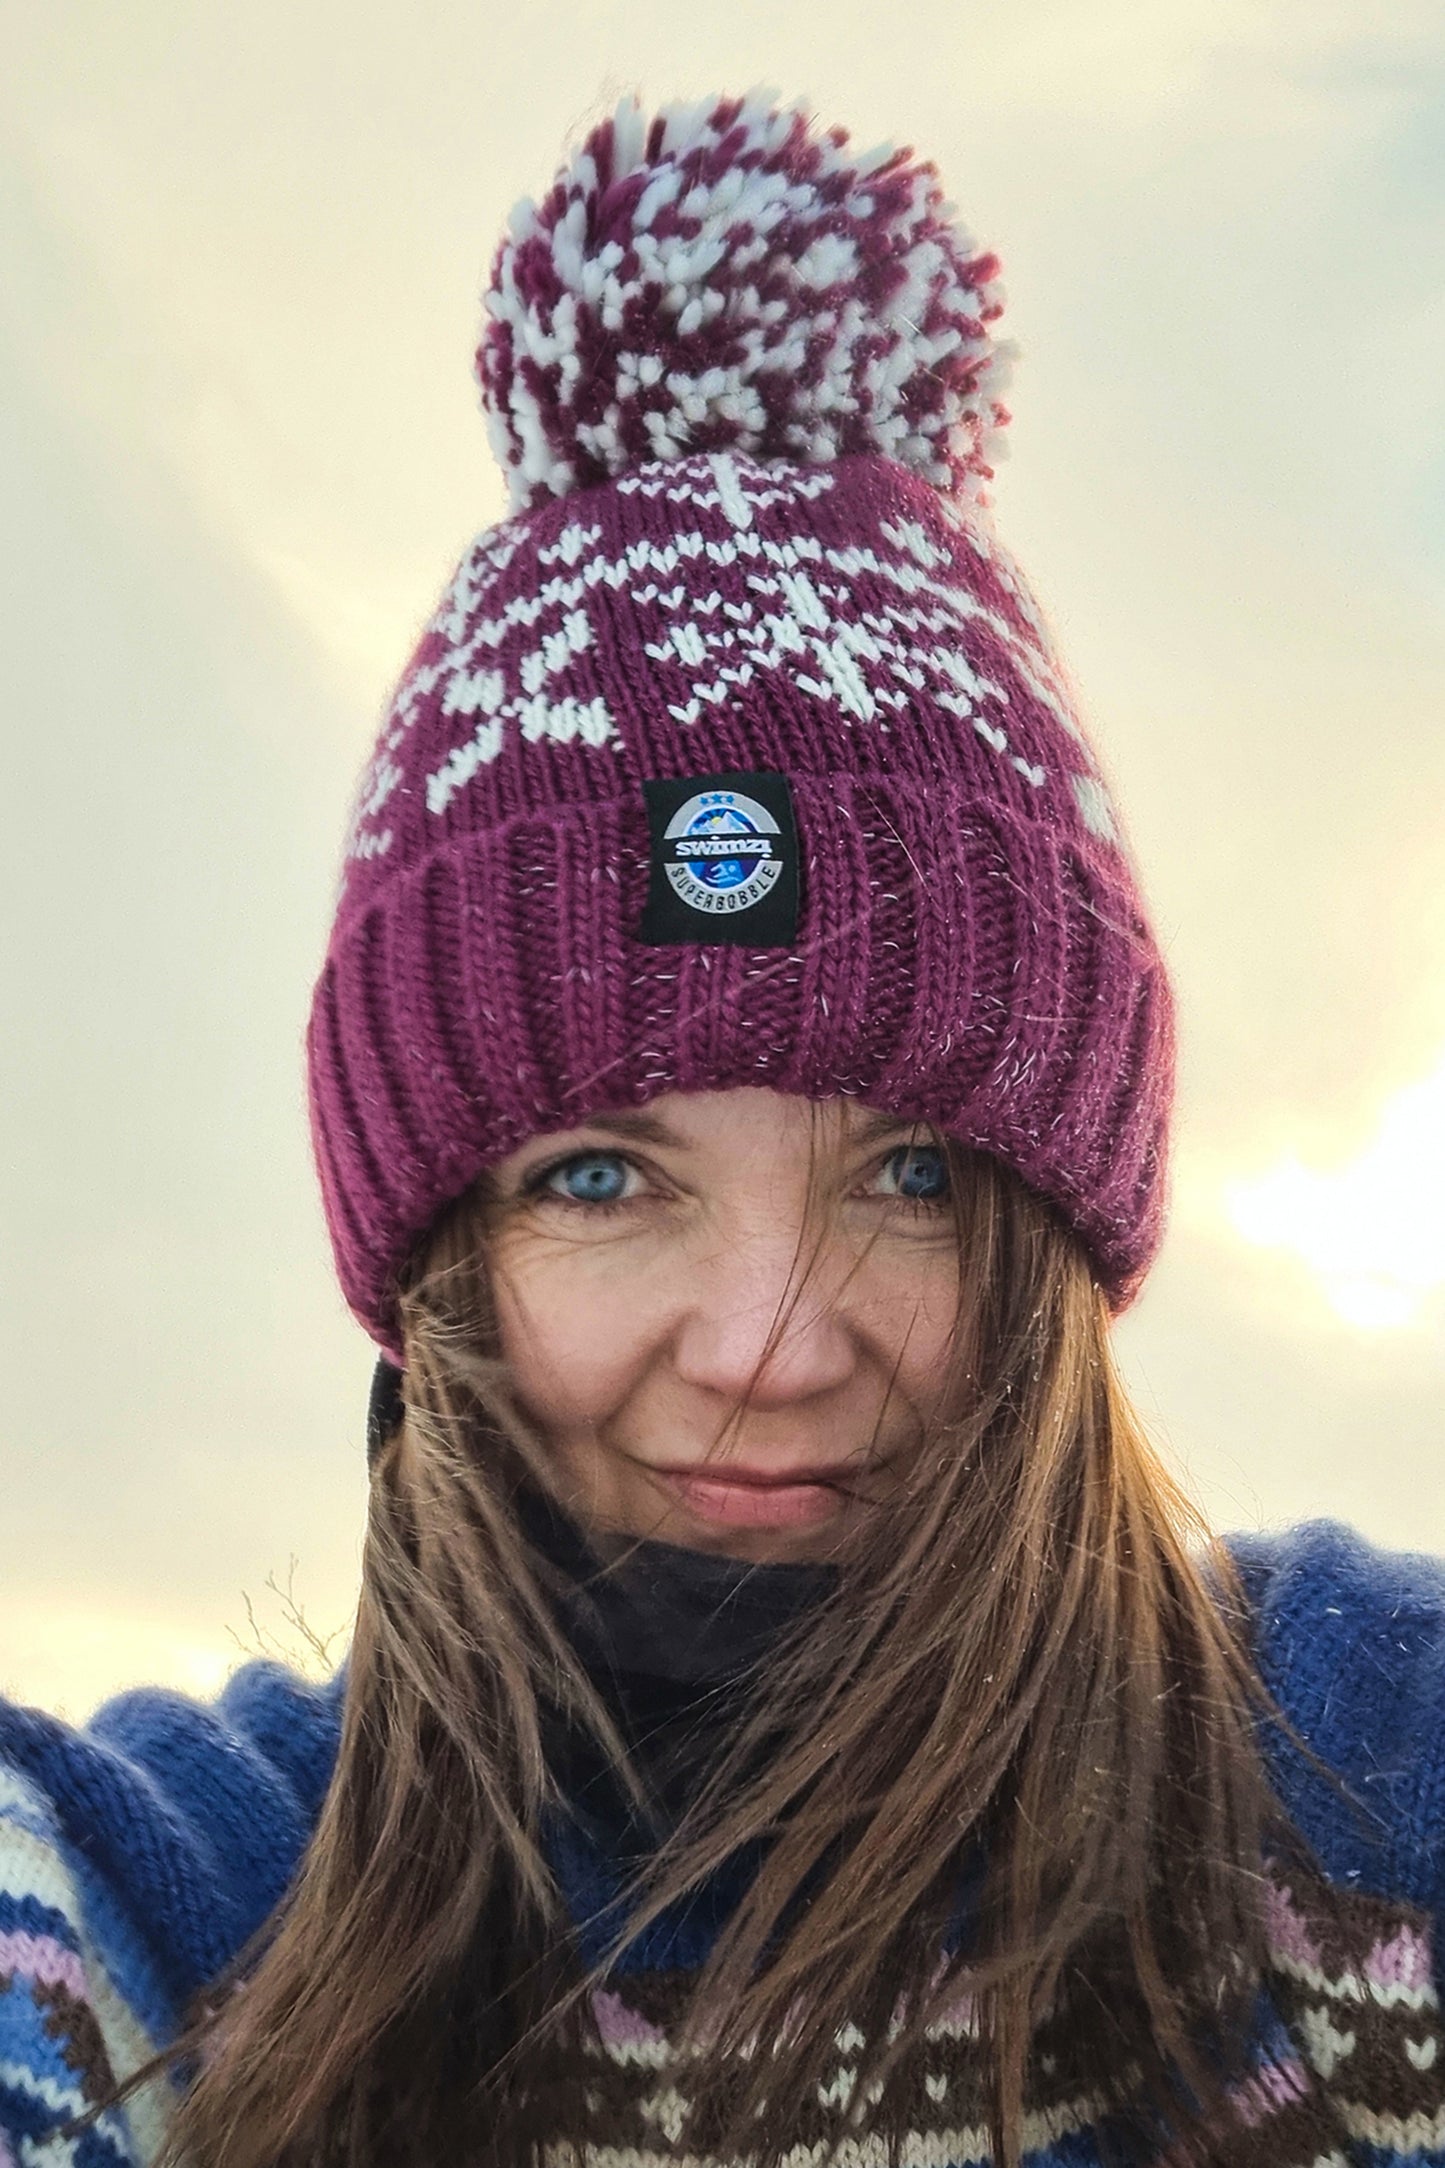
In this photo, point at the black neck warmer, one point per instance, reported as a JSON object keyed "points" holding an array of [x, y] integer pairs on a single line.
{"points": [[669, 1636], [672, 1639]]}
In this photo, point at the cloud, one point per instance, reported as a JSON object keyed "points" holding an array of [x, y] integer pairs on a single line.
{"points": [[1372, 1230]]}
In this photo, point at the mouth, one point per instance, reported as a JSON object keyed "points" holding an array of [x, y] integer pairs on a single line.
{"points": [[752, 1498]]}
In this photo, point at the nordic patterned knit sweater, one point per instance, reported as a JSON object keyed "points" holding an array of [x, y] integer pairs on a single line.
{"points": [[138, 1852]]}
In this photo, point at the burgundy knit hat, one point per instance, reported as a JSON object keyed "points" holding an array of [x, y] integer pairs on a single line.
{"points": [[739, 753]]}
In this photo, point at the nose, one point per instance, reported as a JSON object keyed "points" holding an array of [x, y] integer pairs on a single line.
{"points": [[758, 1326]]}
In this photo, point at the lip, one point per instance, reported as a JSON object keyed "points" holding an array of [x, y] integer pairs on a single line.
{"points": [[754, 1498]]}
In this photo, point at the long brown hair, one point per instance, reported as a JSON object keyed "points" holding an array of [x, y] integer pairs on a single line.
{"points": [[1025, 1677]]}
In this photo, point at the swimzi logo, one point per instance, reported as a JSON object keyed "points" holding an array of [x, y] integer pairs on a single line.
{"points": [[723, 854], [724, 861]]}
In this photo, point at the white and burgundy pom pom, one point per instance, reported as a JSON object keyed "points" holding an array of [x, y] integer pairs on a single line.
{"points": [[718, 278]]}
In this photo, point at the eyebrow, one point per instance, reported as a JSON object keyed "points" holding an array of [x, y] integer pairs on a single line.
{"points": [[878, 1124], [637, 1124]]}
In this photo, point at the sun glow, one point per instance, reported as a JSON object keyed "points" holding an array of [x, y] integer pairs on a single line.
{"points": [[1372, 1230]]}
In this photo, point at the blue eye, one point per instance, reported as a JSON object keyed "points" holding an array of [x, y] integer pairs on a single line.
{"points": [[918, 1172], [590, 1178]]}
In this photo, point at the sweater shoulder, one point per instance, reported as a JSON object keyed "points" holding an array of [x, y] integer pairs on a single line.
{"points": [[175, 1824], [1349, 1637], [67, 2028]]}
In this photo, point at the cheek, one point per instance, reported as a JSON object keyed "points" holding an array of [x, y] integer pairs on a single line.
{"points": [[915, 1320], [574, 1348]]}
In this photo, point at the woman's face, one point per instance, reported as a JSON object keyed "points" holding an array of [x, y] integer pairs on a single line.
{"points": [[691, 1383]]}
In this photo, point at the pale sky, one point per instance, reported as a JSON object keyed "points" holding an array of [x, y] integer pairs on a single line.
{"points": [[240, 262]]}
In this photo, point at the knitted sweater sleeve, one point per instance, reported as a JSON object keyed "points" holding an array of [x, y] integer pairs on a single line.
{"points": [[138, 1853], [1351, 1642]]}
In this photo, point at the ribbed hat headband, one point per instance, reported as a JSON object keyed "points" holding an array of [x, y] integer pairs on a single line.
{"points": [[739, 752]]}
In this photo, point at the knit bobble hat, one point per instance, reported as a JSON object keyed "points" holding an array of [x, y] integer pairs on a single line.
{"points": [[739, 752]]}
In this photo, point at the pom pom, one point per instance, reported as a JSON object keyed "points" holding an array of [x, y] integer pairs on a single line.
{"points": [[719, 278]]}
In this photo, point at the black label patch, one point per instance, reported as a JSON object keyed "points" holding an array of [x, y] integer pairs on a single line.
{"points": [[724, 861]]}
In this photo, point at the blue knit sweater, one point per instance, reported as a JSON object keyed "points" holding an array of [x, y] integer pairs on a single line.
{"points": [[139, 1852]]}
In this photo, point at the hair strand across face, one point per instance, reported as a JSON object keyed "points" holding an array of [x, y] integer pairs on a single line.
{"points": [[1008, 1766]]}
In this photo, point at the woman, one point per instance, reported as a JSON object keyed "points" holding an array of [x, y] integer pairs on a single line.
{"points": [[786, 1719]]}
